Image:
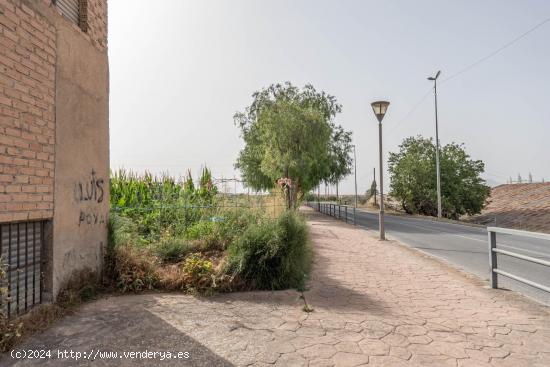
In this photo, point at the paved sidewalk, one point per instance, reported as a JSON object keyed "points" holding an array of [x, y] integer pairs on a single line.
{"points": [[375, 304]]}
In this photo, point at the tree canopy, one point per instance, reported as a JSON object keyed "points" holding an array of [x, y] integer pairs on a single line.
{"points": [[290, 133], [414, 183]]}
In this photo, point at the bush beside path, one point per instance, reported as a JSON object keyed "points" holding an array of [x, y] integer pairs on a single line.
{"points": [[369, 303]]}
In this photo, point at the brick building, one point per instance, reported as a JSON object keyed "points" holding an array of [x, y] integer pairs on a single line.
{"points": [[54, 144]]}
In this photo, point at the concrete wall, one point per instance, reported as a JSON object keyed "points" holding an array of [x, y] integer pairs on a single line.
{"points": [[54, 131], [82, 156]]}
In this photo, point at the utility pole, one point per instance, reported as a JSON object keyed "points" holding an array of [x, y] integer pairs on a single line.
{"points": [[318, 192], [355, 173], [235, 196], [381, 213], [434, 79]]}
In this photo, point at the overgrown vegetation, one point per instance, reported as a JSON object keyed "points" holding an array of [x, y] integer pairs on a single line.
{"points": [[165, 234]]}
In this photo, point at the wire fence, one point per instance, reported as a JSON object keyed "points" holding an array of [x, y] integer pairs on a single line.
{"points": [[161, 219]]}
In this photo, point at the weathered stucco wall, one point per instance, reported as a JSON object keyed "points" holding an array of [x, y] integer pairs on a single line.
{"points": [[82, 156]]}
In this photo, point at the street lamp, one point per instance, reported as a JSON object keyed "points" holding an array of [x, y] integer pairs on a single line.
{"points": [[380, 108], [434, 79]]}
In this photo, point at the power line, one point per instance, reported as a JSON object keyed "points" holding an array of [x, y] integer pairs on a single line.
{"points": [[411, 111], [496, 51], [462, 71]]}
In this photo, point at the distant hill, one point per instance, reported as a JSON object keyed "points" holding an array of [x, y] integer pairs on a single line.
{"points": [[521, 206]]}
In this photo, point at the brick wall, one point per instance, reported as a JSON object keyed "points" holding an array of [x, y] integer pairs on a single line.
{"points": [[27, 97], [27, 114], [97, 23]]}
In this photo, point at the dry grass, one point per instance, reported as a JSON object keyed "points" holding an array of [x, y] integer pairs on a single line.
{"points": [[83, 286]]}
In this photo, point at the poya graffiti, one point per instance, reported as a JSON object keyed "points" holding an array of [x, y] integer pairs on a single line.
{"points": [[91, 218]]}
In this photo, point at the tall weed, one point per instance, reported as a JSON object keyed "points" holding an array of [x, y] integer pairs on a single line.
{"points": [[274, 254]]}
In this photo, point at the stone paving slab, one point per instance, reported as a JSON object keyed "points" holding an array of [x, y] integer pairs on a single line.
{"points": [[375, 304]]}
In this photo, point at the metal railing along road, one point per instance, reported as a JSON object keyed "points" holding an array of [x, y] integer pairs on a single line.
{"points": [[343, 212], [494, 250]]}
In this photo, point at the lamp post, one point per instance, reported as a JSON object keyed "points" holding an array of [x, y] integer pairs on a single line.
{"points": [[434, 79], [380, 108]]}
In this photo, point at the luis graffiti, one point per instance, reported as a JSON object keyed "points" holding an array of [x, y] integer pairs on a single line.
{"points": [[90, 191]]}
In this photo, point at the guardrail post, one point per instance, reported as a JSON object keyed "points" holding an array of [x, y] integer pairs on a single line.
{"points": [[354, 216], [346, 214], [339, 212], [492, 237]]}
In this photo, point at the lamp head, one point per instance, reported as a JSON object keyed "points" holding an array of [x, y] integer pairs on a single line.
{"points": [[436, 76], [379, 108]]}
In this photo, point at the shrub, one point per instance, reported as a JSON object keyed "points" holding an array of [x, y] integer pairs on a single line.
{"points": [[206, 235], [82, 286], [234, 222], [122, 231], [172, 249], [129, 264], [199, 230], [135, 269], [198, 273], [273, 254]]}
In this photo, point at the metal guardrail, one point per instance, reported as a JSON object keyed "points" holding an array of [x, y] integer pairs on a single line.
{"points": [[493, 259], [343, 212]]}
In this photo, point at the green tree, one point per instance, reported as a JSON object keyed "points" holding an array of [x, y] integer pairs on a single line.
{"points": [[372, 191], [290, 133], [340, 159], [413, 179]]}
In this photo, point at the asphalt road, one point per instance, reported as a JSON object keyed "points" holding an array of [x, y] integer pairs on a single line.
{"points": [[466, 247]]}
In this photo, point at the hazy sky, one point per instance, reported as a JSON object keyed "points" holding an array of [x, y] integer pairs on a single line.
{"points": [[180, 69]]}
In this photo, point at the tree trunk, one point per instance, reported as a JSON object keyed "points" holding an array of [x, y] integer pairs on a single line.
{"points": [[295, 191]]}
